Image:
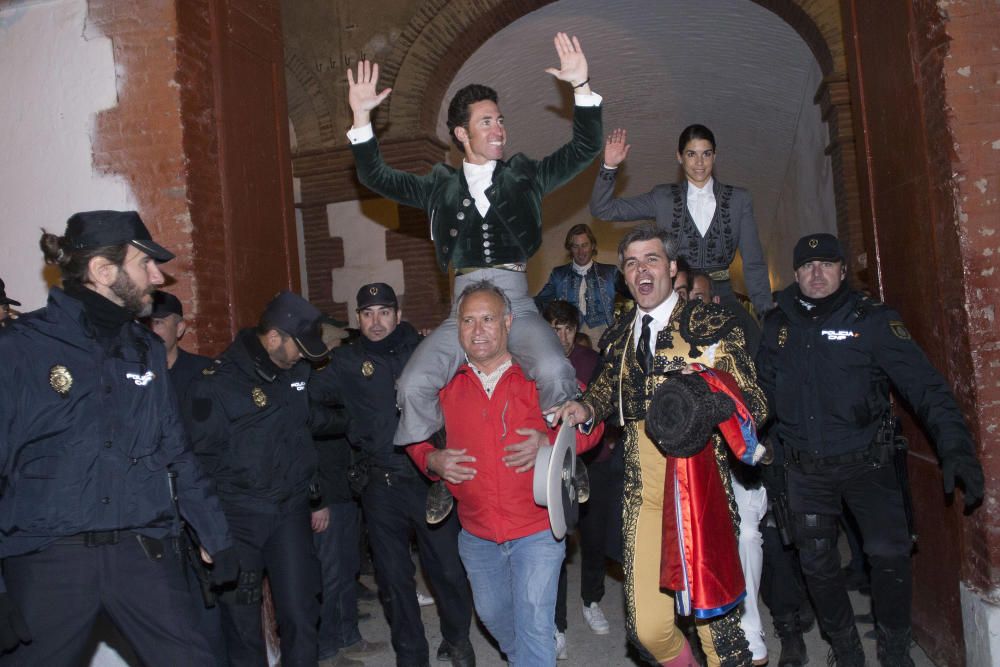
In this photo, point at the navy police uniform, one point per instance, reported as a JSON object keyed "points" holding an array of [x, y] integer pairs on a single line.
{"points": [[250, 423], [363, 375], [89, 430], [827, 366]]}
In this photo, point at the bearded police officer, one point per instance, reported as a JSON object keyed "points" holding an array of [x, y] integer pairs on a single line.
{"points": [[251, 424], [827, 359], [92, 452], [363, 375]]}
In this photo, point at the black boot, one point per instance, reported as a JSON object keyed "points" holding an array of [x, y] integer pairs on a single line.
{"points": [[793, 648], [439, 502], [846, 649], [893, 647]]}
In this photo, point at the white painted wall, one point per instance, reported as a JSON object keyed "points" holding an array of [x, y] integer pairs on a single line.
{"points": [[362, 226], [981, 623], [56, 76], [806, 203]]}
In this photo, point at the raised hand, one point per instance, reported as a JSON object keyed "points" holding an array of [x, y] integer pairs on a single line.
{"points": [[616, 148], [362, 93], [572, 62]]}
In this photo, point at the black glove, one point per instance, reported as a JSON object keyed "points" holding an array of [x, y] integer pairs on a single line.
{"points": [[963, 466], [13, 629], [225, 568]]}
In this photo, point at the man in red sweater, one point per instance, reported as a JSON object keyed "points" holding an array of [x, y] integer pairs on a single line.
{"points": [[494, 428]]}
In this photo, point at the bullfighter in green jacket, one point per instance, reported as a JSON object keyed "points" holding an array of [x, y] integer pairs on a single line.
{"points": [[485, 221]]}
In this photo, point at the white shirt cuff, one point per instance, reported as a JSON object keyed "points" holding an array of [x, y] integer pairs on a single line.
{"points": [[359, 135], [605, 166], [591, 99]]}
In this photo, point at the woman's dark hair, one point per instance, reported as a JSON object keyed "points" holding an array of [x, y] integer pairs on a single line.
{"points": [[74, 262], [692, 132], [458, 108]]}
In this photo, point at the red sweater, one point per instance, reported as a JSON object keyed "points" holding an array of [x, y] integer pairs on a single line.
{"points": [[498, 504]]}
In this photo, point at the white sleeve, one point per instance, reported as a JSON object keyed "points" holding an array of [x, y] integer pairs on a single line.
{"points": [[359, 135], [591, 99]]}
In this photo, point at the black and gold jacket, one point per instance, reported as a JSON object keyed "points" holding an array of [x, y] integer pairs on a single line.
{"points": [[697, 332]]}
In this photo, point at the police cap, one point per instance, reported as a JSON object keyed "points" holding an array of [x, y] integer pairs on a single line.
{"points": [[165, 303], [91, 229], [376, 294], [290, 313], [824, 247], [4, 301]]}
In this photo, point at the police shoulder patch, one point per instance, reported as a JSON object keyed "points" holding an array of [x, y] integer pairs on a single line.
{"points": [[899, 330]]}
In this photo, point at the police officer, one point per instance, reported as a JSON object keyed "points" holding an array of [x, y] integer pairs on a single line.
{"points": [[167, 321], [251, 424], [826, 361], [364, 375], [91, 446]]}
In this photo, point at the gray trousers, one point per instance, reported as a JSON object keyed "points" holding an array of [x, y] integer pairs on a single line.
{"points": [[532, 342]]}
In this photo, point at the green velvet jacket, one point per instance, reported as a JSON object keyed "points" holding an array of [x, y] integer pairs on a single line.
{"points": [[512, 229]]}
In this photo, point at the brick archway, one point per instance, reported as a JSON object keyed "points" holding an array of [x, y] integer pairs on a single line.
{"points": [[445, 33], [420, 62]]}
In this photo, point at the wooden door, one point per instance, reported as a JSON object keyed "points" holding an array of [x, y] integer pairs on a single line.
{"points": [[254, 157], [895, 52]]}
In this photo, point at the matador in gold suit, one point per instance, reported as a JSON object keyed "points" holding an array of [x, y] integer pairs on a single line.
{"points": [[696, 332]]}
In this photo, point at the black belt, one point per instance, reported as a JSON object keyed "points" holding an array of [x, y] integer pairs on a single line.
{"points": [[805, 458], [95, 538]]}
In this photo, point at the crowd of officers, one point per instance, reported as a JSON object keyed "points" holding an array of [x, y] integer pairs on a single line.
{"points": [[167, 503]]}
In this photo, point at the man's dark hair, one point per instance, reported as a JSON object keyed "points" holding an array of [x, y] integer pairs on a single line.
{"points": [[693, 132], [458, 108], [682, 265], [698, 273], [576, 230], [73, 263], [561, 312], [647, 233]]}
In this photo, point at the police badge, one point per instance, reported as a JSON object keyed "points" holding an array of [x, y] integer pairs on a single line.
{"points": [[368, 368], [899, 330], [259, 397], [60, 379]]}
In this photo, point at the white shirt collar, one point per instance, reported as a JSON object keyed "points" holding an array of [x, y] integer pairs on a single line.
{"points": [[472, 170], [661, 314], [582, 270], [479, 177], [694, 190]]}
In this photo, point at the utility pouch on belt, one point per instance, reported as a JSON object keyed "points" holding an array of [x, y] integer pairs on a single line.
{"points": [[249, 587], [153, 548]]}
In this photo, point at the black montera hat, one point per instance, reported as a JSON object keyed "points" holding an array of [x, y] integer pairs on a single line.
{"points": [[376, 294], [91, 229], [825, 247], [683, 413]]}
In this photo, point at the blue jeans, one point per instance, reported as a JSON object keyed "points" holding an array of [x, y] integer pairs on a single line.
{"points": [[340, 559], [520, 576]]}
